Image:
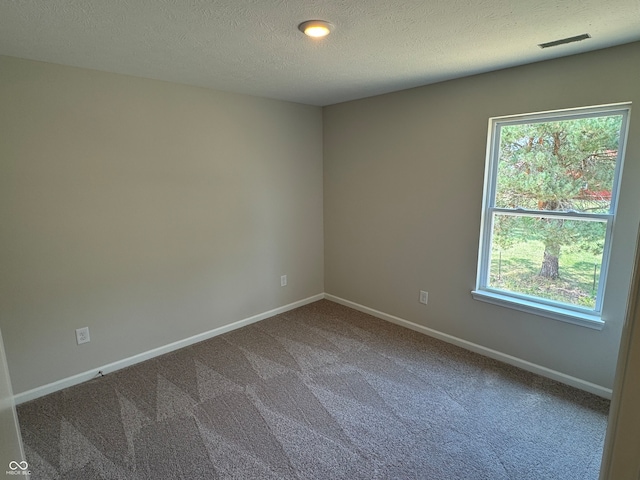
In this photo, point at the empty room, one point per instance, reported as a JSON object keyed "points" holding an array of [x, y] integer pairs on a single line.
{"points": [[319, 240]]}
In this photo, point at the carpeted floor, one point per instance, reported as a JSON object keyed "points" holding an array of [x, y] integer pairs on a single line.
{"points": [[321, 392]]}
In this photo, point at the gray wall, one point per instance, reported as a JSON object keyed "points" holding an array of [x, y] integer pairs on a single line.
{"points": [[10, 437], [403, 179], [151, 212], [620, 458], [147, 211]]}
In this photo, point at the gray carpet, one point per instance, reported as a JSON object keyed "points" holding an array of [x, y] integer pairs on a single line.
{"points": [[321, 392]]}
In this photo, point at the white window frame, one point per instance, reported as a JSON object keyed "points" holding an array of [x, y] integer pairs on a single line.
{"points": [[583, 316]]}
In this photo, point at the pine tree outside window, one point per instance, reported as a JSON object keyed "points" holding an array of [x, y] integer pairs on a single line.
{"points": [[551, 187]]}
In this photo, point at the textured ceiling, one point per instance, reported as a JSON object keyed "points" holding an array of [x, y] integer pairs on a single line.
{"points": [[254, 46]]}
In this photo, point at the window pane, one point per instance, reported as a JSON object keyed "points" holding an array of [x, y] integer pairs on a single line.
{"points": [[560, 165], [549, 258]]}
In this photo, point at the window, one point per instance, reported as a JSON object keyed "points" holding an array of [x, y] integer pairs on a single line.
{"points": [[551, 184]]}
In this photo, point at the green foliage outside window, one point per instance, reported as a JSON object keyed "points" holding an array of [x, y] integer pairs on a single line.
{"points": [[554, 166]]}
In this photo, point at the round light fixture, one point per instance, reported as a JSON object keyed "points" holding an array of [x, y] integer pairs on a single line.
{"points": [[315, 28]]}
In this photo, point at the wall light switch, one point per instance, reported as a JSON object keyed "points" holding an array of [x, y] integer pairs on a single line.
{"points": [[424, 297]]}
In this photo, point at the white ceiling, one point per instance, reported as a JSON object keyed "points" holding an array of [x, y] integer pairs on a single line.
{"points": [[254, 46]]}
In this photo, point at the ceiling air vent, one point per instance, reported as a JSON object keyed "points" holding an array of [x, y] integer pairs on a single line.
{"points": [[555, 43]]}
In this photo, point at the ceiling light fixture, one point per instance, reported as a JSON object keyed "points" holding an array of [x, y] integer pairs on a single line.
{"points": [[315, 28]]}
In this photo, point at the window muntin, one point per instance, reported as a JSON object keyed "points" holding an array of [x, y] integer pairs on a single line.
{"points": [[550, 195]]}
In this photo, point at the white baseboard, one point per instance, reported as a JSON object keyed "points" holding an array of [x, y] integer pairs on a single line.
{"points": [[487, 352], [141, 357]]}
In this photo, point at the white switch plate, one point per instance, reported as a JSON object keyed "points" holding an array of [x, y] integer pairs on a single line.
{"points": [[82, 335], [283, 281], [424, 297]]}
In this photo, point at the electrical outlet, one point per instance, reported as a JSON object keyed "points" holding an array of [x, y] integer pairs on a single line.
{"points": [[424, 297], [283, 281], [82, 335]]}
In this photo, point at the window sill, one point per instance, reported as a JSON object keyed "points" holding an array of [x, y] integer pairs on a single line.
{"points": [[557, 313]]}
